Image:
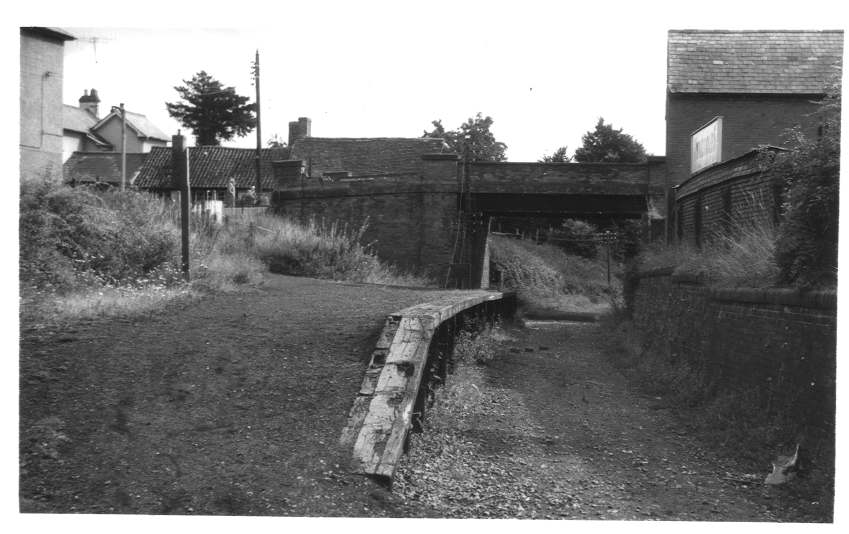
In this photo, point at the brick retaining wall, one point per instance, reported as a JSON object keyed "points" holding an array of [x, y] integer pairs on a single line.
{"points": [[778, 346]]}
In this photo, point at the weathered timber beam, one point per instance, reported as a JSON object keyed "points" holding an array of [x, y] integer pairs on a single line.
{"points": [[382, 414]]}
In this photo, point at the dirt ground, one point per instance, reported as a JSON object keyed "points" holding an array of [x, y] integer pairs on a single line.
{"points": [[228, 405], [548, 429], [234, 404]]}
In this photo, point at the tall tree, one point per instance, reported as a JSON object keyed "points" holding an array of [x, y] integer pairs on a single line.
{"points": [[558, 156], [608, 145], [212, 111], [482, 143]]}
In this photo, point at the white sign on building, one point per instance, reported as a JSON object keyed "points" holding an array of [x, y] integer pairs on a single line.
{"points": [[706, 145]]}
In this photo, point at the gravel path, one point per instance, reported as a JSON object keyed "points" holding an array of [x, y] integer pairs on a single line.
{"points": [[548, 429]]}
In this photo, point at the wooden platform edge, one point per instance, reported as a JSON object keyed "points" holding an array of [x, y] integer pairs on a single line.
{"points": [[381, 416]]}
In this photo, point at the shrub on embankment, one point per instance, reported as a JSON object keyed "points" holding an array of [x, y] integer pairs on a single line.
{"points": [[544, 276], [85, 252]]}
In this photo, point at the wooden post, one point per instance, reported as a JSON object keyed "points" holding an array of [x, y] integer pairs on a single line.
{"points": [[181, 176]]}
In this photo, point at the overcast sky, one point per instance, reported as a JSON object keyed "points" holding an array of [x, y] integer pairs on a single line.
{"points": [[545, 72]]}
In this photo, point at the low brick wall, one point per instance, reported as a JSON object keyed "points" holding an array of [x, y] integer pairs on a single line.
{"points": [[777, 346]]}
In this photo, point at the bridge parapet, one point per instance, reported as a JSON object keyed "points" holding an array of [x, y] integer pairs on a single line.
{"points": [[569, 178]]}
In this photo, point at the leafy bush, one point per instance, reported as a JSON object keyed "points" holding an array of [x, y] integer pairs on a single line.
{"points": [[806, 251], [629, 240], [577, 238], [76, 237]]}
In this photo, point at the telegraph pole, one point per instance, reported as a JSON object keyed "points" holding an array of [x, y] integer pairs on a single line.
{"points": [[123, 148], [258, 131]]}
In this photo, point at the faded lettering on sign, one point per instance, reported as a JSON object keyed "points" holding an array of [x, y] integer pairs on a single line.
{"points": [[706, 145]]}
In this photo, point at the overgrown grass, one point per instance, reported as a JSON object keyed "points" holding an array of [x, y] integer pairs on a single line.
{"points": [[86, 253], [323, 250], [545, 277], [743, 256]]}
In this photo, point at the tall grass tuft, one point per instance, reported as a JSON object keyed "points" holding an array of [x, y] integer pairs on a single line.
{"points": [[316, 249], [742, 256]]}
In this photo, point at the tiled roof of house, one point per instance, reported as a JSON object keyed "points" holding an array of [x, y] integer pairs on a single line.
{"points": [[364, 156], [212, 167], [77, 119], [103, 167], [139, 123], [763, 62]]}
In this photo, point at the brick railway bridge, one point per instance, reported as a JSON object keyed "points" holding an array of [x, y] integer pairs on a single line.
{"points": [[436, 220]]}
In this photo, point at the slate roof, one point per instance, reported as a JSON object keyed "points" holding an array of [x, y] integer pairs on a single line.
{"points": [[364, 155], [77, 119], [81, 121], [103, 167], [138, 122], [212, 167], [762, 62]]}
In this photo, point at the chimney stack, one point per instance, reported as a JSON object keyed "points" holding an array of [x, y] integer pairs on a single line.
{"points": [[299, 129], [89, 102]]}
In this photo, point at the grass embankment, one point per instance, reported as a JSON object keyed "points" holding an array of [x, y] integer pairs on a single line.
{"points": [[547, 279], [86, 253]]}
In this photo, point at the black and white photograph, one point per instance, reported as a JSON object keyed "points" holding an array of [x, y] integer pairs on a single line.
{"points": [[567, 263]]}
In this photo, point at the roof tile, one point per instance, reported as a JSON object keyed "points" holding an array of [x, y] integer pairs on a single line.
{"points": [[101, 167], [212, 167], [365, 155], [770, 62]]}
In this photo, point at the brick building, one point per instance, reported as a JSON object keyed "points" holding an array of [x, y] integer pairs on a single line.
{"points": [[759, 82], [42, 63], [755, 85]]}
